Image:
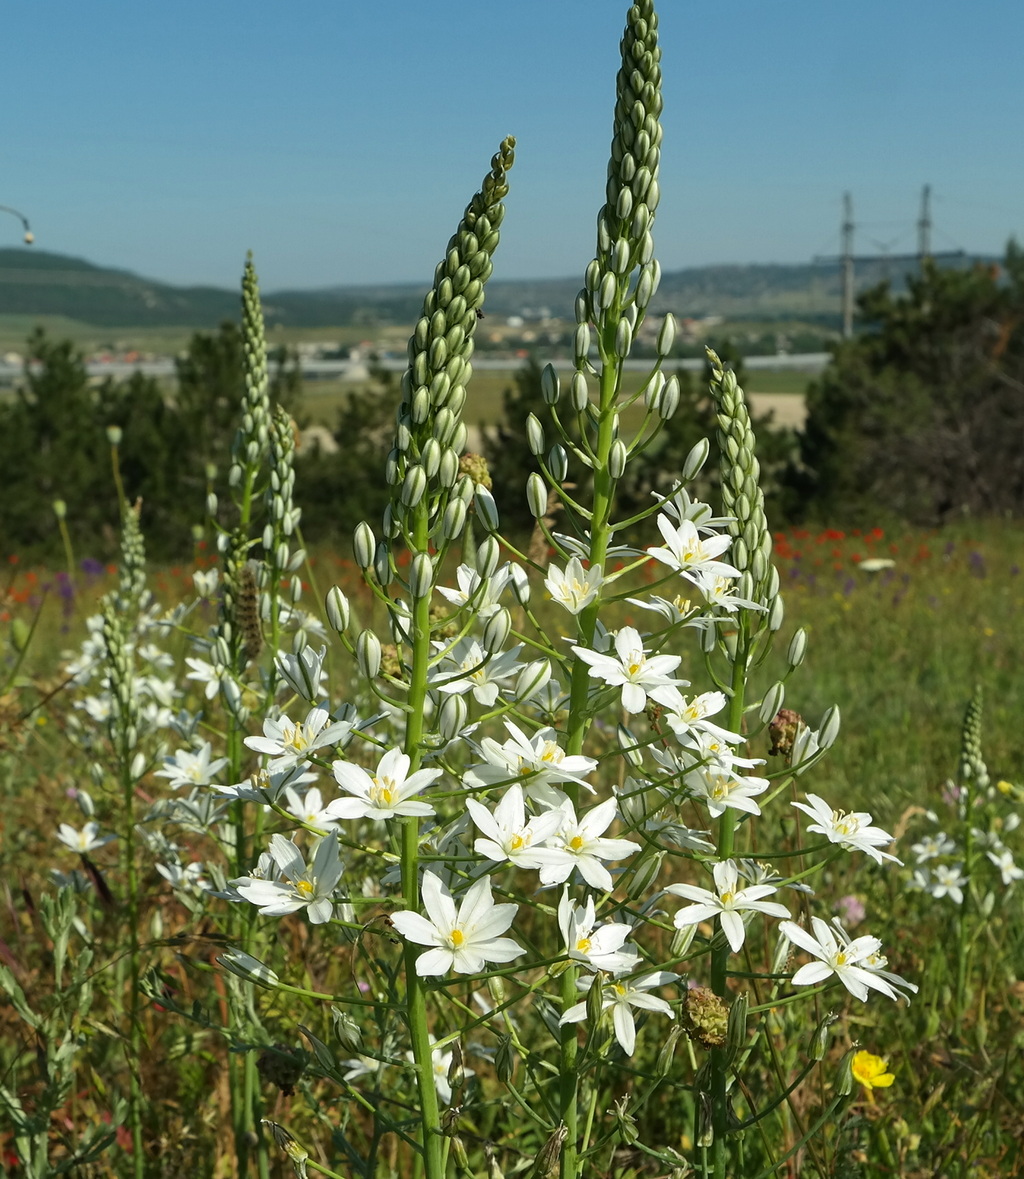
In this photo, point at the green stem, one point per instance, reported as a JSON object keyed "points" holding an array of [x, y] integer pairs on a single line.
{"points": [[416, 993]]}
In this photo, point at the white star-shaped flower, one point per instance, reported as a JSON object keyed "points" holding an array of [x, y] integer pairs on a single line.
{"points": [[727, 903], [507, 835], [538, 760], [598, 947], [621, 997], [630, 668], [721, 788], [84, 841], [852, 831], [839, 956], [288, 744], [689, 553], [574, 588], [579, 843], [300, 887], [463, 939], [186, 768], [390, 791]]}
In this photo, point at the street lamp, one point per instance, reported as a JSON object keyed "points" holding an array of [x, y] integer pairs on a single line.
{"points": [[29, 235]]}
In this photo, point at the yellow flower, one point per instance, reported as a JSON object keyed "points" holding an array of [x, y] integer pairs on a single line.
{"points": [[871, 1072]]}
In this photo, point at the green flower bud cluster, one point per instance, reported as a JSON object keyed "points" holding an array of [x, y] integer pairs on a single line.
{"points": [[254, 431], [282, 514], [973, 770], [132, 595], [742, 498], [123, 724], [624, 241], [423, 468]]}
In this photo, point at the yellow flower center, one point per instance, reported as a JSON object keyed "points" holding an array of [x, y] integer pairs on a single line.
{"points": [[727, 897], [295, 737], [457, 937], [583, 945], [304, 888], [516, 842], [383, 792], [576, 842]]}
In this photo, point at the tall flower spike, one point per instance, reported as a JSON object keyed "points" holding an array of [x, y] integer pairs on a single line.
{"points": [[430, 436], [624, 224], [251, 439], [742, 497], [973, 770]]}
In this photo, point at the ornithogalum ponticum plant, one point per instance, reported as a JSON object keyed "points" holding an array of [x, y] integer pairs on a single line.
{"points": [[564, 885]]}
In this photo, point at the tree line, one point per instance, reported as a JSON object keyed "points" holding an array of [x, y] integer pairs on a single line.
{"points": [[919, 417]]}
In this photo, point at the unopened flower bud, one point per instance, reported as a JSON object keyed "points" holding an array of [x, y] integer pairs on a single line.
{"points": [[211, 503], [623, 338], [346, 1030], [772, 702], [581, 344], [549, 385], [534, 434], [421, 576], [666, 335], [363, 544], [520, 584], [532, 679], [496, 631], [694, 462], [629, 746], [454, 520], [595, 1003], [486, 508], [617, 459], [247, 967], [798, 649], [536, 495], [452, 716], [777, 614], [368, 654], [487, 554], [579, 394], [669, 402], [829, 727], [414, 486], [505, 1059], [382, 563], [736, 1036], [448, 471]]}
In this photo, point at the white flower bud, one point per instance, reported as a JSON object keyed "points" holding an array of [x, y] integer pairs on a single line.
{"points": [[644, 290], [532, 679], [606, 294], [486, 508], [534, 435], [459, 437], [666, 334], [695, 460], [592, 275], [581, 344], [617, 459], [829, 727], [772, 702], [296, 560], [496, 631], [581, 307], [363, 544], [452, 716], [558, 463], [211, 503], [487, 555], [669, 402], [421, 576], [295, 588], [653, 390], [419, 411], [623, 338], [537, 495], [579, 395], [430, 458], [84, 799], [444, 425], [454, 520], [520, 584], [624, 204], [549, 385], [368, 653], [797, 648], [247, 967], [776, 615], [414, 486], [337, 609], [382, 563], [448, 471], [619, 260]]}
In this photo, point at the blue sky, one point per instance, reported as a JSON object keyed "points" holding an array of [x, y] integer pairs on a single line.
{"points": [[340, 139]]}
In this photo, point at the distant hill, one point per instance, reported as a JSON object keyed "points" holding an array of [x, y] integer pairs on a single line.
{"points": [[34, 282]]}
